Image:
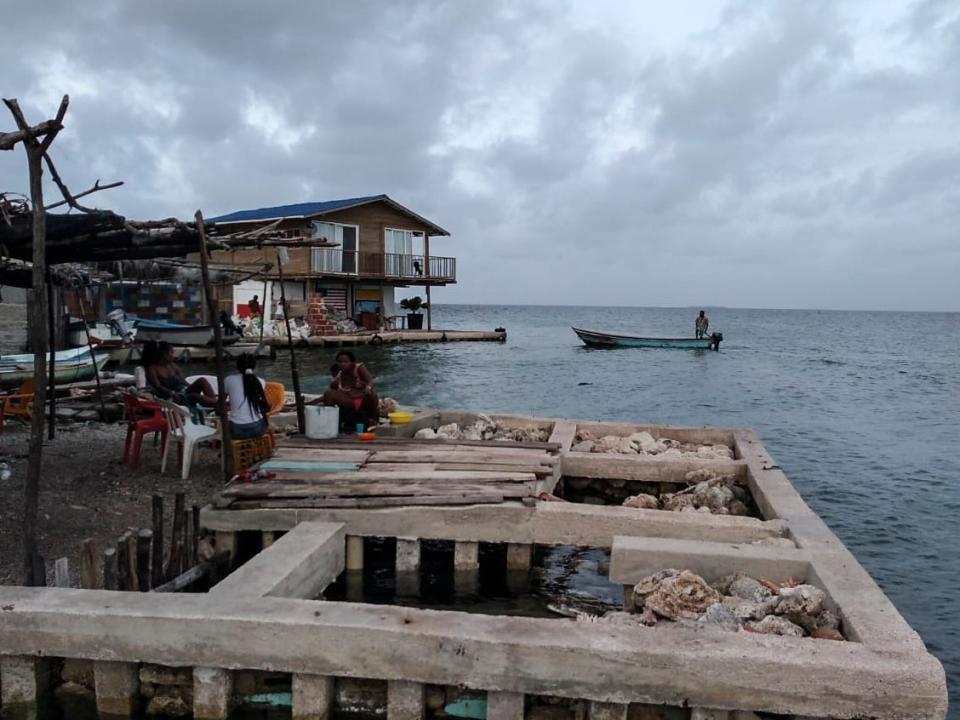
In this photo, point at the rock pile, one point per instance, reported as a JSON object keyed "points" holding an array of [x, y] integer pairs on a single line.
{"points": [[643, 443], [735, 602], [708, 492], [484, 428]]}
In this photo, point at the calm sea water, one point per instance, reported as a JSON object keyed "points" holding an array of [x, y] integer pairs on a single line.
{"points": [[860, 409]]}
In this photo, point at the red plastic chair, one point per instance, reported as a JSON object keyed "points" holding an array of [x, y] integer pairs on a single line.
{"points": [[143, 417]]}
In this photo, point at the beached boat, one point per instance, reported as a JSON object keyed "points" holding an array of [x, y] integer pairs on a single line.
{"points": [[175, 334], [593, 338], [71, 365], [103, 335]]}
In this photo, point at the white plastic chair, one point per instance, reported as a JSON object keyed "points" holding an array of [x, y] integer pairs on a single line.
{"points": [[186, 432]]}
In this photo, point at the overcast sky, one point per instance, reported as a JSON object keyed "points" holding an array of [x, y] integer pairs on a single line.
{"points": [[754, 154]]}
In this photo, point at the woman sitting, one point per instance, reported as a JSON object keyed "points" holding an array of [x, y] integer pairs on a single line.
{"points": [[248, 402], [352, 391], [167, 381]]}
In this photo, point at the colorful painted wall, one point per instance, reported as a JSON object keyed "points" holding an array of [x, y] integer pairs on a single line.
{"points": [[164, 301]]}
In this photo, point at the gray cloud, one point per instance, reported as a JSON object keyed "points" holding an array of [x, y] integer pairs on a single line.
{"points": [[790, 154]]}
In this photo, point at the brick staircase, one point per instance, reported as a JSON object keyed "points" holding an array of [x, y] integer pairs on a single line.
{"points": [[318, 318]]}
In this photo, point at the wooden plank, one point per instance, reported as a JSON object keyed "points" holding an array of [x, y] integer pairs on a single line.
{"points": [[414, 456], [381, 489], [61, 573], [326, 455], [480, 499], [392, 479], [123, 562], [156, 576], [110, 569], [144, 542], [351, 443], [275, 464]]}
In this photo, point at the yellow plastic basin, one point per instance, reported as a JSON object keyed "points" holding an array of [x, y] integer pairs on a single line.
{"points": [[400, 417]]}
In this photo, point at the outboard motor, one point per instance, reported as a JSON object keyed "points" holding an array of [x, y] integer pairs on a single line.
{"points": [[117, 319], [715, 340]]}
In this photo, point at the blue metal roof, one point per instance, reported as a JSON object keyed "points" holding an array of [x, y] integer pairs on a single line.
{"points": [[297, 210]]}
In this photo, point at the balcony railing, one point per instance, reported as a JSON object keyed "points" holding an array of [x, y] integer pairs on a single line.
{"points": [[383, 265]]}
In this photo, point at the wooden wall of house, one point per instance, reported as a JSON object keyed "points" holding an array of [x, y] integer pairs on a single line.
{"points": [[373, 220]]}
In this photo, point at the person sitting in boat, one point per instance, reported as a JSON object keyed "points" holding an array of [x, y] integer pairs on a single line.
{"points": [[352, 391], [168, 383], [248, 401], [702, 325]]}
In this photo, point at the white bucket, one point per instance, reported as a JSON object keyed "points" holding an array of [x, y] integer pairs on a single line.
{"points": [[323, 422]]}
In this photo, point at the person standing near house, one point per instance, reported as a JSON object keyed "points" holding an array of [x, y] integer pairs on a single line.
{"points": [[254, 306], [702, 325]]}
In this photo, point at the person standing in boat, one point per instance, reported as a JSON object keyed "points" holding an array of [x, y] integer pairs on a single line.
{"points": [[702, 325], [352, 391]]}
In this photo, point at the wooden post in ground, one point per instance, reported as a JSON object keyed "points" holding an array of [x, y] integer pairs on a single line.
{"points": [[218, 349], [88, 564], [144, 543], [93, 355], [294, 372], [110, 569], [426, 271], [175, 561], [156, 574], [36, 149], [52, 341]]}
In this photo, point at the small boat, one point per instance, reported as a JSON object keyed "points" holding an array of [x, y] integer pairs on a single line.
{"points": [[103, 335], [176, 334], [593, 338], [70, 365]]}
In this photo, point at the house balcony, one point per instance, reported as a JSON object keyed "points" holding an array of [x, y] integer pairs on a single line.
{"points": [[412, 269]]}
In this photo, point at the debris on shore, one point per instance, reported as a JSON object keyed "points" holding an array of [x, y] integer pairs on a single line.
{"points": [[643, 443], [709, 492], [484, 428]]}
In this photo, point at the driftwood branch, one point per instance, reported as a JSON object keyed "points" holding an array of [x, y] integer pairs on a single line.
{"points": [[97, 187], [61, 112], [9, 140]]}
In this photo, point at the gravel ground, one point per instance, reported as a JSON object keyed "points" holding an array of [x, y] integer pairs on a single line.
{"points": [[86, 492]]}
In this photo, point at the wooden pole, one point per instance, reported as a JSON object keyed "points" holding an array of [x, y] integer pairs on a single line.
{"points": [[35, 150], [93, 355], [175, 561], [426, 271], [263, 313], [88, 564], [156, 575], [294, 372], [218, 348], [52, 336], [144, 543]]}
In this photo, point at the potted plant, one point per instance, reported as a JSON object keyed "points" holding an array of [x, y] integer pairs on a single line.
{"points": [[413, 306]]}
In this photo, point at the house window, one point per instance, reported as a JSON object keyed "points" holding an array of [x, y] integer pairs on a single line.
{"points": [[341, 259], [398, 247]]}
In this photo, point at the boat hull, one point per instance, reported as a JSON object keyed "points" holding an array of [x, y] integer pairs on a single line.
{"points": [[596, 339], [78, 367], [181, 336]]}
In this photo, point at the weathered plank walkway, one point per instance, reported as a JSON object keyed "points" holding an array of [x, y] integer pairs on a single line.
{"points": [[394, 472]]}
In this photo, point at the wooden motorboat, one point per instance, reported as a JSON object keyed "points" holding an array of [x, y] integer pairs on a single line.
{"points": [[597, 339], [70, 365], [176, 334]]}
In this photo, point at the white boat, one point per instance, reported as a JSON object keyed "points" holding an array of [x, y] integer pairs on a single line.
{"points": [[188, 335], [70, 365]]}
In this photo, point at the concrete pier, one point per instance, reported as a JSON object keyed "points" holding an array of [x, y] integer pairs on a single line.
{"points": [[266, 615], [313, 696], [505, 706], [212, 693], [23, 681], [117, 688], [405, 700]]}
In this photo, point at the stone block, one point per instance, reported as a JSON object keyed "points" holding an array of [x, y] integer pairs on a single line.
{"points": [[23, 680], [519, 556], [408, 555], [505, 706], [354, 552], [405, 700], [212, 693], [699, 713], [163, 675], [313, 696], [117, 688], [78, 671], [466, 556], [607, 711]]}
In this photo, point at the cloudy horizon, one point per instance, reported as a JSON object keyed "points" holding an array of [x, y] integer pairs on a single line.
{"points": [[724, 154]]}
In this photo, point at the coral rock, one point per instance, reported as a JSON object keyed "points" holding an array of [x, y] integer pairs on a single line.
{"points": [[644, 442], [425, 434], [801, 600], [774, 625], [827, 634], [686, 595], [614, 444], [828, 619], [720, 616], [584, 446], [748, 609], [449, 431], [677, 502], [641, 501], [749, 589], [387, 406], [650, 583]]}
